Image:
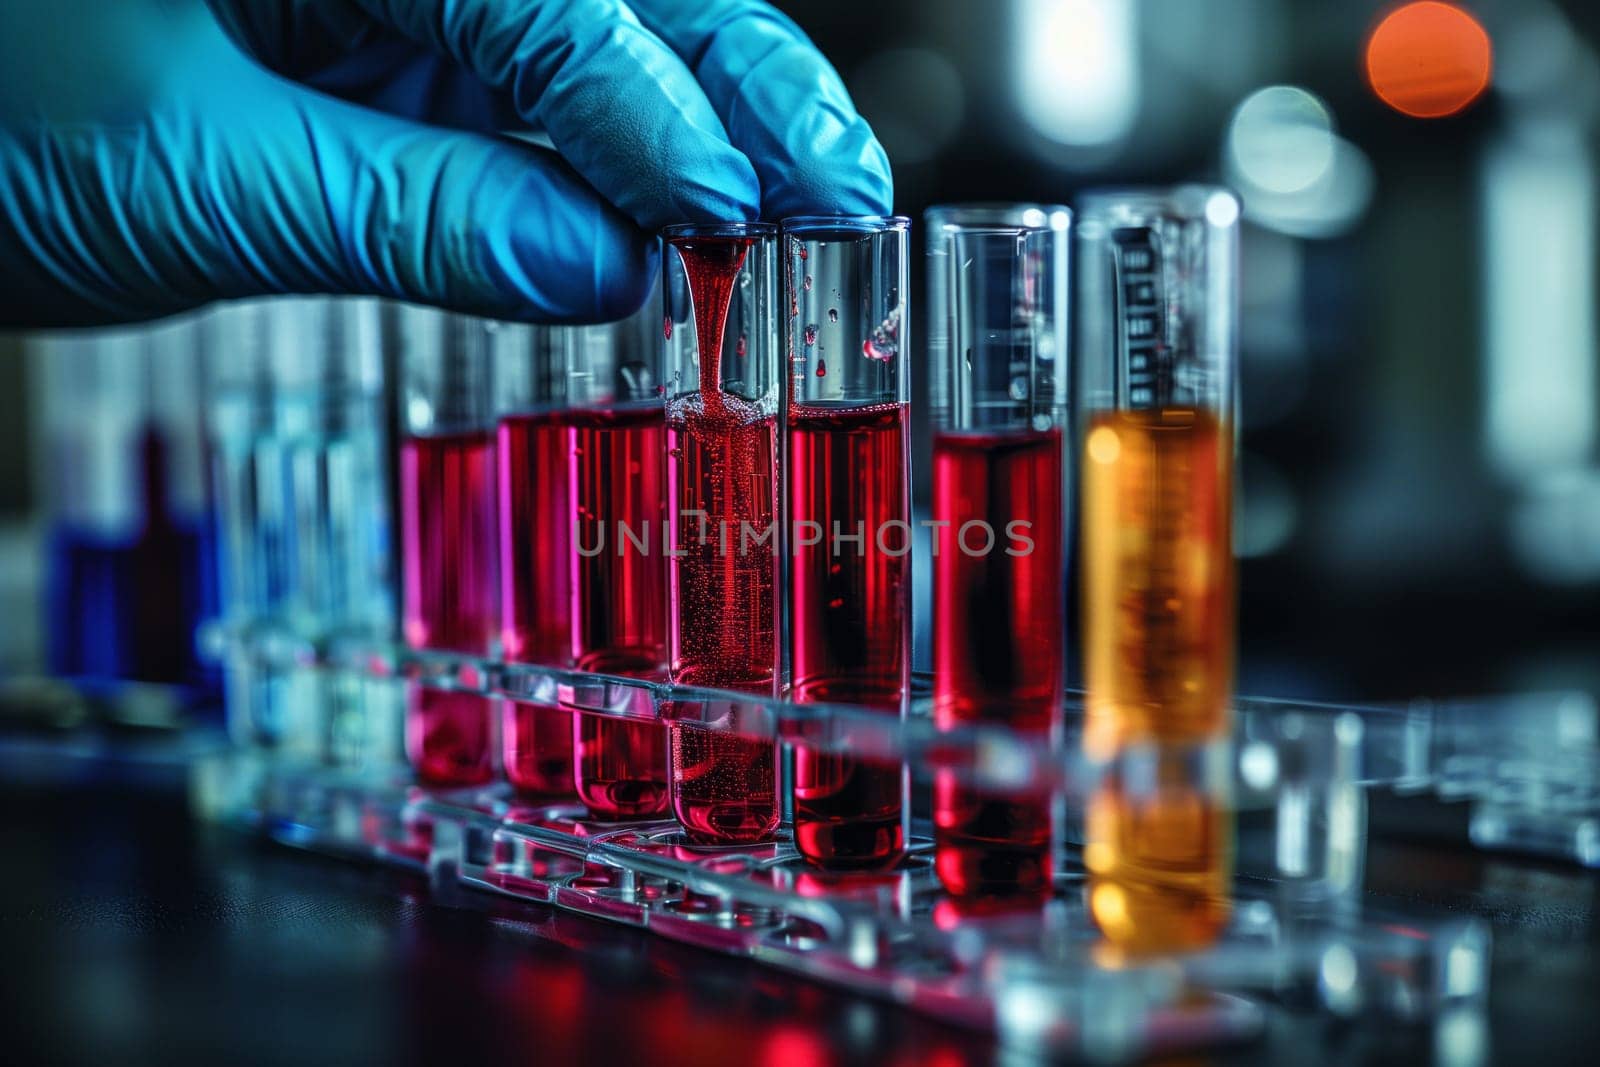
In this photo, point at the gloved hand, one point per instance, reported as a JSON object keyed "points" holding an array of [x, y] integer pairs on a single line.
{"points": [[151, 161]]}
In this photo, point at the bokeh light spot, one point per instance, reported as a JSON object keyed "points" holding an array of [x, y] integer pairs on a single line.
{"points": [[1429, 59]]}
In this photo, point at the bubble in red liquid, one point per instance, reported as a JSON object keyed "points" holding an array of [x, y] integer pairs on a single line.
{"points": [[822, 368], [739, 348], [811, 336], [668, 328], [803, 253]]}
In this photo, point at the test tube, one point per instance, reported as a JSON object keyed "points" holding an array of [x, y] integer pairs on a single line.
{"points": [[1158, 278], [619, 577], [721, 336], [254, 525], [533, 379], [330, 422], [299, 448], [997, 284], [332, 435], [298, 427], [849, 513], [447, 508]]}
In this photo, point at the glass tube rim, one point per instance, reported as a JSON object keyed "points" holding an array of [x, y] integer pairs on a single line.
{"points": [[998, 216], [1215, 204], [757, 230], [862, 225]]}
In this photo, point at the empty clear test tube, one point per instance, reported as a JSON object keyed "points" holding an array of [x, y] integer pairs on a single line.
{"points": [[722, 403], [1156, 320], [450, 586], [300, 480], [998, 299], [849, 515]]}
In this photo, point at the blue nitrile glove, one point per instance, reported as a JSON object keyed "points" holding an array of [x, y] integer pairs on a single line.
{"points": [[147, 164]]}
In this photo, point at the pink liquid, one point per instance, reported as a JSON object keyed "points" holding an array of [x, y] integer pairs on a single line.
{"points": [[722, 460], [536, 593], [619, 602], [449, 737], [619, 593], [998, 646], [448, 540], [535, 539], [848, 469], [536, 747]]}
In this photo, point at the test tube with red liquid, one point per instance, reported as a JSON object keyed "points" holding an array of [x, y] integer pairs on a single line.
{"points": [[617, 423], [532, 375], [722, 401], [1158, 284], [998, 298], [448, 544], [849, 511]]}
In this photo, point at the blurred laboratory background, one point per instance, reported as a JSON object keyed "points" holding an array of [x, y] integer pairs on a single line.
{"points": [[1420, 502]]}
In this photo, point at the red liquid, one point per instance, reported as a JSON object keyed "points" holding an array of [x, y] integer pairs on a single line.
{"points": [[724, 787], [722, 460], [998, 637], [448, 539], [536, 593], [722, 603], [621, 767], [619, 610], [849, 610]]}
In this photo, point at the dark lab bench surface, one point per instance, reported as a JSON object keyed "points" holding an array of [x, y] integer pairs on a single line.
{"points": [[130, 933]]}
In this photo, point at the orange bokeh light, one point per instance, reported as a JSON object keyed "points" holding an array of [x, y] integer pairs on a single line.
{"points": [[1429, 59]]}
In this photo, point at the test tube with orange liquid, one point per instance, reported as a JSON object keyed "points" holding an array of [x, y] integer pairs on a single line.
{"points": [[1157, 349]]}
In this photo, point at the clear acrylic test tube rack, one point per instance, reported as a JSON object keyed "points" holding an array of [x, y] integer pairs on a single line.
{"points": [[1042, 980]]}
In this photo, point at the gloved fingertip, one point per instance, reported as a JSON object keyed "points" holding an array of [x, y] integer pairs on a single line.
{"points": [[719, 186], [849, 175], [570, 257], [625, 265]]}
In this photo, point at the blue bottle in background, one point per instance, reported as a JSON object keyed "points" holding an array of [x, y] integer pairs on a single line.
{"points": [[127, 570]]}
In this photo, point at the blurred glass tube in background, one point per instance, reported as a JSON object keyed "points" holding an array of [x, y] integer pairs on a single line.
{"points": [[128, 570], [300, 479]]}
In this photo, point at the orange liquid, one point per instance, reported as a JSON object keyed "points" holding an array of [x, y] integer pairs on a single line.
{"points": [[1159, 866], [1158, 578], [1158, 625]]}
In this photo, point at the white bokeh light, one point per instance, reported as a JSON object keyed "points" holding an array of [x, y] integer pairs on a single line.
{"points": [[1281, 139], [1078, 69], [1294, 173]]}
